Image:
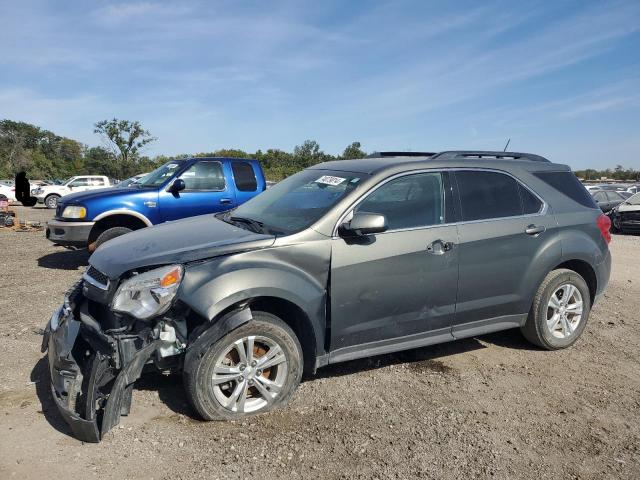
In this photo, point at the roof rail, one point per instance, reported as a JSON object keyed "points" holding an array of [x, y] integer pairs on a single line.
{"points": [[401, 154], [488, 154]]}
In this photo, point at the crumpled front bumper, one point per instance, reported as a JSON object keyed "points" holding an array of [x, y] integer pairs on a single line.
{"points": [[92, 374], [66, 375]]}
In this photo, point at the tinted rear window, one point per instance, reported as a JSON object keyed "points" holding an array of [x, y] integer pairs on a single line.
{"points": [[568, 184], [244, 177], [530, 203], [485, 195]]}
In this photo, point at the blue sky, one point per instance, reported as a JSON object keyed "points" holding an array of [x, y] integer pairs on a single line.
{"points": [[559, 78]]}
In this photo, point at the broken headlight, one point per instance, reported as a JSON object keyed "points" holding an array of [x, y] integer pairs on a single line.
{"points": [[148, 294]]}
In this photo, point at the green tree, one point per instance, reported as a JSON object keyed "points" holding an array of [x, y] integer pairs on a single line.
{"points": [[125, 139], [353, 151]]}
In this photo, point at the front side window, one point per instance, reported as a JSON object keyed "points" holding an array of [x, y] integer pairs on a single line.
{"points": [[207, 176], [244, 177], [79, 182], [408, 202]]}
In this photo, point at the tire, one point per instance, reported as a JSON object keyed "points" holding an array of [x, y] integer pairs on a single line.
{"points": [[52, 201], [207, 398], [108, 235], [539, 328]]}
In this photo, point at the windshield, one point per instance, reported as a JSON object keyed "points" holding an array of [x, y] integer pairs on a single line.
{"points": [[299, 201], [634, 199], [159, 175]]}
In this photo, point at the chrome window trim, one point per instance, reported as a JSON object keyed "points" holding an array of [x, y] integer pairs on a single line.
{"points": [[543, 210]]}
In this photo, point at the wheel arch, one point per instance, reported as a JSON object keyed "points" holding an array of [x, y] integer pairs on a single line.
{"points": [[291, 295], [586, 271], [117, 218]]}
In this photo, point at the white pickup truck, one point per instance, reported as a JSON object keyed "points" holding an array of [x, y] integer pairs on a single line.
{"points": [[50, 194]]}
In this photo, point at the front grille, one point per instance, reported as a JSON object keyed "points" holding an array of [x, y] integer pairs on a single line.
{"points": [[98, 276], [59, 208]]}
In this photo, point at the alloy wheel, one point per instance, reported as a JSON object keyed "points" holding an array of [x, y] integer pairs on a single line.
{"points": [[564, 311], [249, 374]]}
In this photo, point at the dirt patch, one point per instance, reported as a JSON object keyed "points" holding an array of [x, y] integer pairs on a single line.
{"points": [[493, 406]]}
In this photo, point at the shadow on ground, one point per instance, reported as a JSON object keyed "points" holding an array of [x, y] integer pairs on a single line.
{"points": [[171, 391], [509, 339], [40, 375], [65, 259]]}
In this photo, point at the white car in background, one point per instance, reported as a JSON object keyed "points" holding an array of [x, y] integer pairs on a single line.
{"points": [[8, 191], [50, 194]]}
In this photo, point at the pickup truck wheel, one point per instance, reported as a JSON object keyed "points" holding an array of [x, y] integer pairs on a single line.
{"points": [[251, 370], [52, 201], [108, 235], [559, 312]]}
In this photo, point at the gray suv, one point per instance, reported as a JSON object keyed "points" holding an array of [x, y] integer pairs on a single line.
{"points": [[343, 260]]}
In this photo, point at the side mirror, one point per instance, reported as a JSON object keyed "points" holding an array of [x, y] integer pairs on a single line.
{"points": [[177, 186], [364, 223]]}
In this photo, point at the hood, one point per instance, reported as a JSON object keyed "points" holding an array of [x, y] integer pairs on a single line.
{"points": [[79, 197], [181, 241]]}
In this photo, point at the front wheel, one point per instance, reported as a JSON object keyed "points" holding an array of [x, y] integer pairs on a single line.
{"points": [[560, 310], [251, 370], [107, 235], [51, 201]]}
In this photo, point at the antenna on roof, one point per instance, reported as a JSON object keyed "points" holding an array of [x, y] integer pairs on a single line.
{"points": [[505, 147]]}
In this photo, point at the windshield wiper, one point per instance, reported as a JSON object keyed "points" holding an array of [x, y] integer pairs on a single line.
{"points": [[255, 225]]}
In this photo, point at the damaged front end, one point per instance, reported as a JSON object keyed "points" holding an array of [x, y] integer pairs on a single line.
{"points": [[95, 356]]}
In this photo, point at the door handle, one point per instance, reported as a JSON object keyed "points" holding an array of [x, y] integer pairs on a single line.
{"points": [[225, 201], [439, 247], [534, 229]]}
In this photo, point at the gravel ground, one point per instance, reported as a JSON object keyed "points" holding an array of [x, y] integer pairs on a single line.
{"points": [[491, 406]]}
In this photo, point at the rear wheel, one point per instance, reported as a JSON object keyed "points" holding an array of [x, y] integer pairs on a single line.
{"points": [[559, 312], [52, 201], [251, 370]]}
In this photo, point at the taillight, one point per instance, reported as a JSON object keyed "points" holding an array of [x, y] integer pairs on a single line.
{"points": [[604, 224]]}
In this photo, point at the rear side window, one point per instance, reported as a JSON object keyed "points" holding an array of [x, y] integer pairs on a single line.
{"points": [[485, 195], [568, 184], [244, 177], [530, 203]]}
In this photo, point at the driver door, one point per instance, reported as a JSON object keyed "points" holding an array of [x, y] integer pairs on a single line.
{"points": [[206, 191], [397, 289]]}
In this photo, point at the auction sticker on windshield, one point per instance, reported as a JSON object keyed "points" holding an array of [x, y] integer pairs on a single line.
{"points": [[329, 180]]}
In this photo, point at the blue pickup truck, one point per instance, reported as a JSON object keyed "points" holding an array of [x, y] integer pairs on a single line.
{"points": [[178, 189]]}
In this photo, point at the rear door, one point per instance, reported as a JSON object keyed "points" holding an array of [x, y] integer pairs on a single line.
{"points": [[390, 286], [503, 229], [206, 191]]}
